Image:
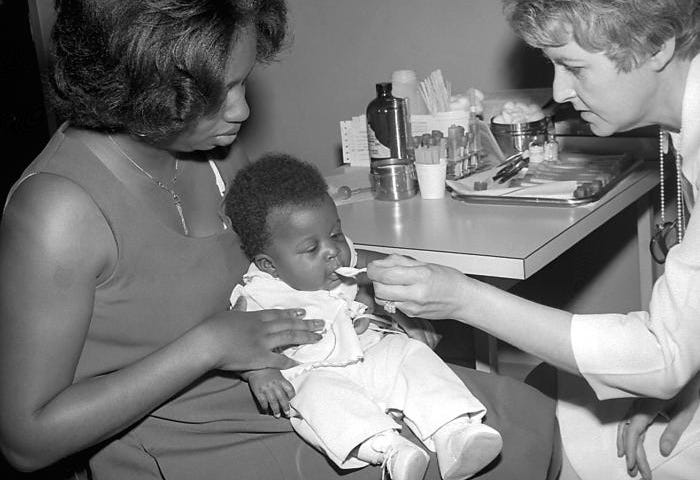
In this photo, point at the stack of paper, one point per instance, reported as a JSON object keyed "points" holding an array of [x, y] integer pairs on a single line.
{"points": [[353, 138]]}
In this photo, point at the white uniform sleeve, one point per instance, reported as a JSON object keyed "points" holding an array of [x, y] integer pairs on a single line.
{"points": [[651, 353]]}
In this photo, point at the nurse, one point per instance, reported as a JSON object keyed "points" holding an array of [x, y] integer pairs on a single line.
{"points": [[623, 64]]}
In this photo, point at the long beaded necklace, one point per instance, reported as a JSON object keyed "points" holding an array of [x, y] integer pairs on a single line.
{"points": [[680, 210], [176, 198]]}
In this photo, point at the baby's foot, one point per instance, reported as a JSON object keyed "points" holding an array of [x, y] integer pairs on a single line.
{"points": [[400, 458], [464, 448]]}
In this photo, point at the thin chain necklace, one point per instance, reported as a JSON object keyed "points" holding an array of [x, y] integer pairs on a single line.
{"points": [[680, 210], [176, 198]]}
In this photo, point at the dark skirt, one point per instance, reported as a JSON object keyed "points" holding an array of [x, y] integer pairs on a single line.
{"points": [[524, 417]]}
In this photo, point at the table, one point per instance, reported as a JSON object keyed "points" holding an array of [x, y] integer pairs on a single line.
{"points": [[507, 243]]}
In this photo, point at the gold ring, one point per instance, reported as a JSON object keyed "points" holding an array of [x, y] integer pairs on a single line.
{"points": [[390, 307]]}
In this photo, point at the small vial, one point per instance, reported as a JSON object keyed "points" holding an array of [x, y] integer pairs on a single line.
{"points": [[551, 151], [551, 146], [536, 152]]}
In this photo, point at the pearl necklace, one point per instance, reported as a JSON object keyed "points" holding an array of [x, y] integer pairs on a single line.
{"points": [[680, 211], [176, 198]]}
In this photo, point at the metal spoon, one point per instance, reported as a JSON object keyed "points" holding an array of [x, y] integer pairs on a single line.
{"points": [[350, 272]]}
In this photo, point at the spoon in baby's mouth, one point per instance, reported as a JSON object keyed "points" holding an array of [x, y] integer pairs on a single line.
{"points": [[350, 272]]}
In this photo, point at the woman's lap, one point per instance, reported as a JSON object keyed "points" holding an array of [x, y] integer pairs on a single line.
{"points": [[524, 417]]}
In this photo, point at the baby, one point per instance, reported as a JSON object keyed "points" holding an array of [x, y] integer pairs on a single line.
{"points": [[348, 392]]}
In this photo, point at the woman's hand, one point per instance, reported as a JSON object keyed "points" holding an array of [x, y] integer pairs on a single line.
{"points": [[246, 340], [418, 289], [680, 410]]}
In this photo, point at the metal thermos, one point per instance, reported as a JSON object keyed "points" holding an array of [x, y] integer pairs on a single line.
{"points": [[392, 173]]}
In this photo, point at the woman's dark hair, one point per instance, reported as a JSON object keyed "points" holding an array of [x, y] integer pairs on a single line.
{"points": [[151, 67], [276, 181]]}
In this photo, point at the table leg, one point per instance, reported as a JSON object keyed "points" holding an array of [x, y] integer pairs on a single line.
{"points": [[645, 224], [485, 351]]}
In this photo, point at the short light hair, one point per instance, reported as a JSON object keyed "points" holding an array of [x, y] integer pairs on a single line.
{"points": [[627, 31]]}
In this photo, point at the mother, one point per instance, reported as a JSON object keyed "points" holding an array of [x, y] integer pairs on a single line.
{"points": [[116, 264], [622, 64]]}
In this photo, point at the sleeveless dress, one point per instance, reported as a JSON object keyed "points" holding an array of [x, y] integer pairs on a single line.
{"points": [[163, 284]]}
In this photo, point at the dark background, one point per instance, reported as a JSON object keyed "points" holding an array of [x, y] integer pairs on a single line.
{"points": [[23, 123]]}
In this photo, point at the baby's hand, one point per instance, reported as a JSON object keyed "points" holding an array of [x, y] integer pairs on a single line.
{"points": [[360, 324], [365, 295], [272, 391], [418, 328]]}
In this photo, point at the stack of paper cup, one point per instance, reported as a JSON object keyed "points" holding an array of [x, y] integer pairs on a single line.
{"points": [[431, 179]]}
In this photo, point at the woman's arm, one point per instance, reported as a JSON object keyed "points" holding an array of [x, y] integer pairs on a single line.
{"points": [[643, 354], [55, 247], [439, 292]]}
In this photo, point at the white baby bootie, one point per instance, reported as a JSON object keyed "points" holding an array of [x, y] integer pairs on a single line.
{"points": [[400, 458], [464, 447]]}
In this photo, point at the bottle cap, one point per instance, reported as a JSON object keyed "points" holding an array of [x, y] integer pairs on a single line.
{"points": [[383, 87]]}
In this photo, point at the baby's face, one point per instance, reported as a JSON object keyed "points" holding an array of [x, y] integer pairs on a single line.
{"points": [[307, 246]]}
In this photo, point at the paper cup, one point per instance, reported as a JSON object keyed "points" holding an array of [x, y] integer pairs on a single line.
{"points": [[431, 179]]}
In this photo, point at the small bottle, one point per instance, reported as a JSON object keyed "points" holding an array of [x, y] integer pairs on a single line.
{"points": [[455, 152], [404, 84], [536, 151], [551, 146], [388, 129], [473, 140]]}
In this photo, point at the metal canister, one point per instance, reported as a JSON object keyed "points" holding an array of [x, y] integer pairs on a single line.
{"points": [[393, 181], [516, 137]]}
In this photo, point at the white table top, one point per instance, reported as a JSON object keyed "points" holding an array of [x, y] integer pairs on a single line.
{"points": [[507, 241]]}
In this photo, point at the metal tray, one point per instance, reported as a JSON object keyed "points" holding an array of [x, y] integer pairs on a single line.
{"points": [[612, 169]]}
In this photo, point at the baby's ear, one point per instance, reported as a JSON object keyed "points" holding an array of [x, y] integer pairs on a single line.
{"points": [[265, 264]]}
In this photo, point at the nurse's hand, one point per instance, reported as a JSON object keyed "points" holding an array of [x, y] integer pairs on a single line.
{"points": [[418, 289], [679, 410]]}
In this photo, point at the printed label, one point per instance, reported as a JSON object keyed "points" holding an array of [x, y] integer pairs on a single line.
{"points": [[376, 148]]}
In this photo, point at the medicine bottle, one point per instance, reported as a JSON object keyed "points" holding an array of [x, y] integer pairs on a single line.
{"points": [[388, 129], [551, 146], [404, 84]]}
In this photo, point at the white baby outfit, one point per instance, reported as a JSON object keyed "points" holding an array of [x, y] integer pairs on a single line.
{"points": [[641, 353], [345, 384]]}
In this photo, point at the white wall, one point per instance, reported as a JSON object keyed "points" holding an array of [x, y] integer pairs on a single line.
{"points": [[342, 48]]}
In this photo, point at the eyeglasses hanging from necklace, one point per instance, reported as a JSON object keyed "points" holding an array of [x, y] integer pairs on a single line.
{"points": [[668, 233]]}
